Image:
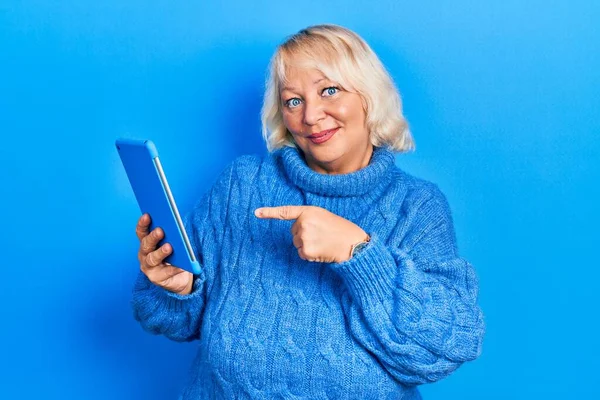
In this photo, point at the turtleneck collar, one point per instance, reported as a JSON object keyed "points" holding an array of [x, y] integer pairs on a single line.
{"points": [[345, 185]]}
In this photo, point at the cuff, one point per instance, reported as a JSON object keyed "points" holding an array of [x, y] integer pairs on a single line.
{"points": [[196, 289], [146, 289], [370, 273]]}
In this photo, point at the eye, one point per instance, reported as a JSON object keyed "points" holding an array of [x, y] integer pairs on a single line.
{"points": [[330, 91], [292, 103]]}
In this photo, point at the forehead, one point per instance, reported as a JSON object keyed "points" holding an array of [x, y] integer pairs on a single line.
{"points": [[297, 70], [295, 76]]}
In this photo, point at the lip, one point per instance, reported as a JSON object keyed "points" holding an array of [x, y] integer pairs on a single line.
{"points": [[322, 136]]}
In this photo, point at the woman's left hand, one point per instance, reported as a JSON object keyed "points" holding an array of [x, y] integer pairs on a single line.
{"points": [[319, 235]]}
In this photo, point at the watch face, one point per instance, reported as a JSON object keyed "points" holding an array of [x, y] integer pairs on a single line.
{"points": [[358, 247], [361, 246]]}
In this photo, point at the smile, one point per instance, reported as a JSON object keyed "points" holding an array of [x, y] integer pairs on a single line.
{"points": [[322, 137]]}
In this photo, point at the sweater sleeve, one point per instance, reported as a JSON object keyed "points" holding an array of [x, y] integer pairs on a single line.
{"points": [[179, 317], [413, 304]]}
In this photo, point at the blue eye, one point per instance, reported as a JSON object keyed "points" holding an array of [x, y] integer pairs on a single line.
{"points": [[295, 102], [330, 91]]}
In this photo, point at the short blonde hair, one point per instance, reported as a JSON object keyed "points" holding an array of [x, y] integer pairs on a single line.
{"points": [[343, 56]]}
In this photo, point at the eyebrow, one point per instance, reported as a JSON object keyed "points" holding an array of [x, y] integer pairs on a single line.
{"points": [[291, 89]]}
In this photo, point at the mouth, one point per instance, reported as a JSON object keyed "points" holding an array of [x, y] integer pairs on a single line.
{"points": [[322, 136]]}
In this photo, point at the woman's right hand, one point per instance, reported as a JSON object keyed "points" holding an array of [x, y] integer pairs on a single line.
{"points": [[152, 263]]}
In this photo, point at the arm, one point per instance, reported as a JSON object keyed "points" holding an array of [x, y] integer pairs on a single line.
{"points": [[179, 317], [413, 303]]}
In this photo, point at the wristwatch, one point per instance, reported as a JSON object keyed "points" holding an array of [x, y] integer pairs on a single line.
{"points": [[358, 247]]}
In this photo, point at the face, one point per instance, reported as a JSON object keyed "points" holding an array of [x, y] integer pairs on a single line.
{"points": [[327, 123]]}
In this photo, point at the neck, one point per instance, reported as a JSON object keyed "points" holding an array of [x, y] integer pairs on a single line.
{"points": [[342, 166], [378, 170]]}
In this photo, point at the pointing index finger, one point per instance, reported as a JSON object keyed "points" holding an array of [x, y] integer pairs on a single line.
{"points": [[282, 212]]}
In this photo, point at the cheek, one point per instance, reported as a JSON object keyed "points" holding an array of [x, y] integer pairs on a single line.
{"points": [[350, 114], [291, 122]]}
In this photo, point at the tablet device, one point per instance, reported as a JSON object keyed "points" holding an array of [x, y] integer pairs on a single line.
{"points": [[149, 183]]}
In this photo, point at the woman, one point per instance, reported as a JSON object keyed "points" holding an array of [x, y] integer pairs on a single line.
{"points": [[327, 271]]}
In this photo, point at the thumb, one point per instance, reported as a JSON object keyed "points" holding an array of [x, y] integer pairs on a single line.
{"points": [[282, 212]]}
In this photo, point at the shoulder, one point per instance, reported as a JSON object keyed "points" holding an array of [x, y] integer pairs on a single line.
{"points": [[247, 168], [417, 195], [242, 168], [424, 210], [243, 165], [416, 188], [246, 171], [247, 163]]}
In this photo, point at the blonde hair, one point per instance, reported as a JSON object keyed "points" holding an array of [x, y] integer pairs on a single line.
{"points": [[343, 56]]}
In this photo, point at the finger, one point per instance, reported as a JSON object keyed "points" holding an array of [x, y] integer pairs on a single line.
{"points": [[163, 273], [295, 228], [141, 229], [155, 258], [297, 242], [166, 275], [309, 252], [307, 256], [302, 254], [282, 212], [151, 240]]}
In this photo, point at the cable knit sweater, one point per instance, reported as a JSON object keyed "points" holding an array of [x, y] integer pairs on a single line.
{"points": [[269, 325]]}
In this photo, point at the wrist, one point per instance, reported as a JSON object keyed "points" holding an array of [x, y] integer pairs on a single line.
{"points": [[188, 289], [349, 249], [359, 246]]}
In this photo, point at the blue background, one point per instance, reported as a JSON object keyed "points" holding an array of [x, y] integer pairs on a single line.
{"points": [[502, 98]]}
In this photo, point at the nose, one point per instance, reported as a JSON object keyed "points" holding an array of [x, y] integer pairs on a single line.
{"points": [[313, 112]]}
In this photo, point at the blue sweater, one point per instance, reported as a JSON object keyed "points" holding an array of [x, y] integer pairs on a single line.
{"points": [[270, 325]]}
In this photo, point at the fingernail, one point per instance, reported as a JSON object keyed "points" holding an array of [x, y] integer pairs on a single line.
{"points": [[166, 249], [258, 212]]}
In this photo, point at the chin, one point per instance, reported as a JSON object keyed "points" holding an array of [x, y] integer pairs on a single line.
{"points": [[326, 156]]}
